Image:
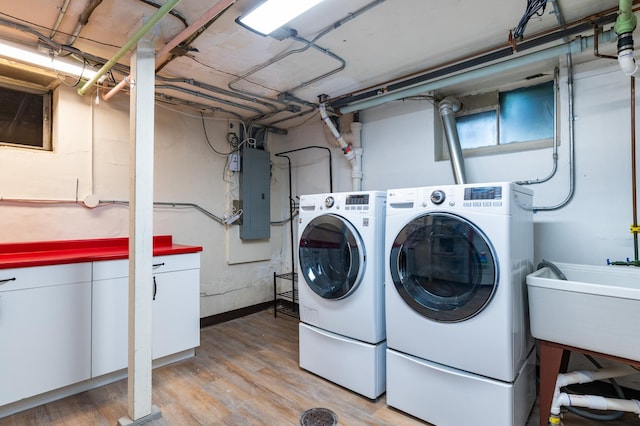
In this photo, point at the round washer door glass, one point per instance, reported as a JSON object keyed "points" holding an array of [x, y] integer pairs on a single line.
{"points": [[444, 267], [331, 256]]}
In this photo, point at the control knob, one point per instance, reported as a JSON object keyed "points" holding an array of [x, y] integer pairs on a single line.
{"points": [[329, 202], [438, 196]]}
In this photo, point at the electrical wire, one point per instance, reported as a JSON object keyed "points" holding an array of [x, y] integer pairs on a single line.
{"points": [[224, 154], [534, 8]]}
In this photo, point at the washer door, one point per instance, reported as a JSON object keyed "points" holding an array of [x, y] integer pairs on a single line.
{"points": [[444, 267], [332, 258]]}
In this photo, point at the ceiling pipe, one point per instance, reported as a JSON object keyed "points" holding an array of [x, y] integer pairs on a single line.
{"points": [[354, 155], [448, 107], [477, 59], [211, 13], [624, 26], [578, 45], [63, 11], [83, 19], [153, 20], [308, 44]]}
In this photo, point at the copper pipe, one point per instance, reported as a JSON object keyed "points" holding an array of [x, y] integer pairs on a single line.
{"points": [[633, 168], [508, 44], [595, 45]]}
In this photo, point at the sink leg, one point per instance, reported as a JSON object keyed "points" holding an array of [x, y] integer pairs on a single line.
{"points": [[551, 356]]}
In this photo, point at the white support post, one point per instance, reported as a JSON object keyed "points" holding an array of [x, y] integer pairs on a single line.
{"points": [[141, 128]]}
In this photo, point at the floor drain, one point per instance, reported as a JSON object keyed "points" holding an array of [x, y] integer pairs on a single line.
{"points": [[318, 417]]}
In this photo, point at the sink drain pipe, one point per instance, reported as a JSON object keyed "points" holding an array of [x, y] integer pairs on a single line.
{"points": [[596, 402], [353, 153]]}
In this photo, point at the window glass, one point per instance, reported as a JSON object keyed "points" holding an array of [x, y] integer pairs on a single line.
{"points": [[477, 130], [498, 121], [24, 118], [527, 114]]}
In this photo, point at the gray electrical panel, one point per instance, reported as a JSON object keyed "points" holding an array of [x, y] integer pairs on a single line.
{"points": [[255, 179]]}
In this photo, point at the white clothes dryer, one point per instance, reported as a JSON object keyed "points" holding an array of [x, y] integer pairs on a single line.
{"points": [[456, 309], [341, 290]]}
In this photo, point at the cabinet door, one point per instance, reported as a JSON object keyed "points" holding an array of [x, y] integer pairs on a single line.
{"points": [[45, 334], [176, 312], [109, 326]]}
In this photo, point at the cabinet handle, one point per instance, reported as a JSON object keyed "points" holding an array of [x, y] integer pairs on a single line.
{"points": [[7, 280], [155, 288], [157, 265]]}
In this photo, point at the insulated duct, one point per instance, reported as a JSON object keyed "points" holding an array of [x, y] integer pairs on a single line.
{"points": [[448, 107]]}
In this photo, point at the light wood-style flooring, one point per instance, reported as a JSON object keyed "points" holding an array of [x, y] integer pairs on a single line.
{"points": [[244, 373]]}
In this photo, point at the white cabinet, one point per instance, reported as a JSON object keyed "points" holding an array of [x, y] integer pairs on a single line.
{"points": [[45, 329], [175, 312]]}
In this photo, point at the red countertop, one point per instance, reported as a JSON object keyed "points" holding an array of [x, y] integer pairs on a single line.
{"points": [[40, 253]]}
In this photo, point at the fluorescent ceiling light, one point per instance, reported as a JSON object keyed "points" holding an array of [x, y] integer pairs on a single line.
{"points": [[23, 54], [273, 14]]}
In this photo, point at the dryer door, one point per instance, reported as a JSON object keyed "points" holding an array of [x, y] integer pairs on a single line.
{"points": [[444, 267], [332, 257]]}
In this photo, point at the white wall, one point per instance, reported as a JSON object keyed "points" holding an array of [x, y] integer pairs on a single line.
{"points": [[398, 142], [91, 156]]}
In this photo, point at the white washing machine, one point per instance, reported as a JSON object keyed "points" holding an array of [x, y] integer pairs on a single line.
{"points": [[459, 347], [341, 289]]}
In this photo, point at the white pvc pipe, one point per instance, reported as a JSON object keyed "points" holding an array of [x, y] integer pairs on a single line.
{"points": [[343, 144], [584, 376], [599, 403], [627, 63]]}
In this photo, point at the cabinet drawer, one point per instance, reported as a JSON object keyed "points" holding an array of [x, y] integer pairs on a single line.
{"points": [[44, 276], [176, 262], [110, 269]]}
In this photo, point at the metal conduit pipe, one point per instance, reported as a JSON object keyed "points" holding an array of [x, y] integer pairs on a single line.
{"points": [[448, 107], [63, 11], [208, 97], [576, 46], [308, 44], [571, 121], [215, 89], [343, 65], [554, 165], [170, 100]]}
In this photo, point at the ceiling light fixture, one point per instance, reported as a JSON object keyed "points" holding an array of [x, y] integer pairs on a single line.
{"points": [[19, 53], [272, 14]]}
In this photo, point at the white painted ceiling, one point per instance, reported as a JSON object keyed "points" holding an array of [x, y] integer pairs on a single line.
{"points": [[342, 47]]}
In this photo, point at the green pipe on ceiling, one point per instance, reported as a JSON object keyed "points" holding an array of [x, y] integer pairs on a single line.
{"points": [[154, 19]]}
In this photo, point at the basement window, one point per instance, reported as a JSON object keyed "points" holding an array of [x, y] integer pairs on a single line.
{"points": [[497, 122], [25, 117]]}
